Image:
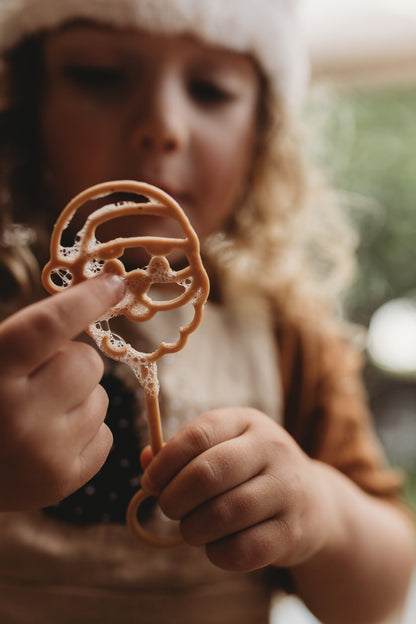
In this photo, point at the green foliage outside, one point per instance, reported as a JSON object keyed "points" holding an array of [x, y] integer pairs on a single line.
{"points": [[369, 152]]}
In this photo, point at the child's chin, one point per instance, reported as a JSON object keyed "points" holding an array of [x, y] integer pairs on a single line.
{"points": [[138, 258]]}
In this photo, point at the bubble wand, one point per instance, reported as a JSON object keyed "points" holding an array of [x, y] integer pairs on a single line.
{"points": [[88, 257]]}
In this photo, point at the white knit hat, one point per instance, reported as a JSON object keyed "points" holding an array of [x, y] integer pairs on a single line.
{"points": [[267, 29]]}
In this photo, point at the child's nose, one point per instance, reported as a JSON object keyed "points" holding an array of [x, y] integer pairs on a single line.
{"points": [[160, 121]]}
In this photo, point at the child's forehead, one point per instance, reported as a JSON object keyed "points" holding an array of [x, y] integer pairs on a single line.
{"points": [[99, 38]]}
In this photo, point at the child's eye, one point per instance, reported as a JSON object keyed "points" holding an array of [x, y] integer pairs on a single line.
{"points": [[208, 92], [95, 77]]}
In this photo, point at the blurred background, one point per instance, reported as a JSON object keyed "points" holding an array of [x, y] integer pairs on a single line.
{"points": [[360, 121]]}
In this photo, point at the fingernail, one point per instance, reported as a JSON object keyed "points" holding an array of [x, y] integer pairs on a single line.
{"points": [[116, 283]]}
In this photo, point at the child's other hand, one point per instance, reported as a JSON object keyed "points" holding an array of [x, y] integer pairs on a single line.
{"points": [[242, 487], [52, 434]]}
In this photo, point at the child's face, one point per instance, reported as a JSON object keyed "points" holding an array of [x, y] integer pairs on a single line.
{"points": [[163, 110]]}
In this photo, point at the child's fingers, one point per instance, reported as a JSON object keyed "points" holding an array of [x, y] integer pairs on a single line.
{"points": [[84, 466], [219, 469], [83, 421], [67, 378], [146, 457], [236, 510], [94, 455], [44, 462], [33, 335], [98, 439], [82, 444], [203, 433], [253, 548]]}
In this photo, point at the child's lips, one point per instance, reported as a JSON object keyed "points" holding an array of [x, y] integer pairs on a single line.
{"points": [[178, 194]]}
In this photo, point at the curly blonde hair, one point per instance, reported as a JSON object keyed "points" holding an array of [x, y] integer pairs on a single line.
{"points": [[291, 238], [288, 239]]}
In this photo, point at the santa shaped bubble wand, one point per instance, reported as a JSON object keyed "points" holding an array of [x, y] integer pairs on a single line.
{"points": [[87, 256]]}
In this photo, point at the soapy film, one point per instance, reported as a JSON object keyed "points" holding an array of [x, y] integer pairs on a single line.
{"points": [[88, 257]]}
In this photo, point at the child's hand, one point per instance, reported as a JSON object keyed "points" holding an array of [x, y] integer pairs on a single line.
{"points": [[52, 436], [242, 487]]}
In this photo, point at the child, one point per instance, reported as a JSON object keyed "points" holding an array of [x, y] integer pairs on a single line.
{"points": [[270, 464]]}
